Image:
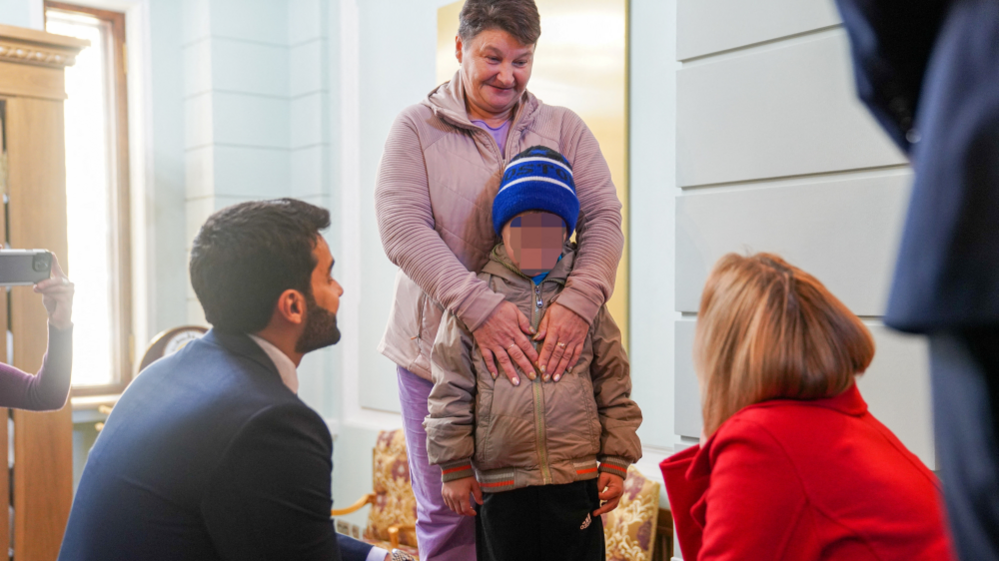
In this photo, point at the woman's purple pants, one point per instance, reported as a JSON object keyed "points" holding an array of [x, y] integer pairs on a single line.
{"points": [[442, 534]]}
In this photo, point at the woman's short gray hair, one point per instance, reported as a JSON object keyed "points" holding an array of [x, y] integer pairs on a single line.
{"points": [[519, 18]]}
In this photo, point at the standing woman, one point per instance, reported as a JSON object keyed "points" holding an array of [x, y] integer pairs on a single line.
{"points": [[49, 388], [792, 465], [442, 165]]}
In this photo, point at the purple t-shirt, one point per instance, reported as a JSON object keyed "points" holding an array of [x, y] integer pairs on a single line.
{"points": [[498, 134]]}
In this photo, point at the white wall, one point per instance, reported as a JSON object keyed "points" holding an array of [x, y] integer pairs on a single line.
{"points": [[22, 13], [257, 125]]}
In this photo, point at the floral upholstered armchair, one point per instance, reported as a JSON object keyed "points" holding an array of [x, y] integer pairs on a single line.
{"points": [[392, 518], [630, 529]]}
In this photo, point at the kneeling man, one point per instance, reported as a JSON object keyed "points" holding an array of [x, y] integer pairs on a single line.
{"points": [[210, 454]]}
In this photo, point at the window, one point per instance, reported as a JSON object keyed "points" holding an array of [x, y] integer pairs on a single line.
{"points": [[97, 198]]}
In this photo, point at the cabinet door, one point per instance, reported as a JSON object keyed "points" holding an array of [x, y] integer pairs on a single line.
{"points": [[43, 448]]}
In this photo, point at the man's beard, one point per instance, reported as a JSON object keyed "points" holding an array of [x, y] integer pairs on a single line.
{"points": [[320, 328]]}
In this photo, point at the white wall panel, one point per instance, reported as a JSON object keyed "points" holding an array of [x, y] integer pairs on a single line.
{"points": [[709, 26], [788, 109], [843, 231], [896, 388], [248, 120], [199, 172], [255, 173], [247, 67], [309, 171], [687, 411], [198, 130], [259, 21], [306, 122], [306, 20], [307, 71], [197, 68], [196, 18]]}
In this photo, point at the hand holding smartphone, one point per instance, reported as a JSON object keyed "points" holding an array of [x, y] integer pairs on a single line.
{"points": [[36, 266]]}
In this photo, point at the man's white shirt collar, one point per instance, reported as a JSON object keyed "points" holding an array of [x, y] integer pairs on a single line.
{"points": [[285, 367]]}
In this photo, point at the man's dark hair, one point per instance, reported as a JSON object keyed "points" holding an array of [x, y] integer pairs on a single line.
{"points": [[246, 255], [519, 18]]}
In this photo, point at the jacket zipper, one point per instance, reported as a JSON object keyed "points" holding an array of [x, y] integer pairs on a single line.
{"points": [[539, 399]]}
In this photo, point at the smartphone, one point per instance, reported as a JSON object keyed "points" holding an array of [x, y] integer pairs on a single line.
{"points": [[24, 266]]}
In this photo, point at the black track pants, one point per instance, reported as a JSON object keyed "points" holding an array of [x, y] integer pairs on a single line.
{"points": [[547, 523]]}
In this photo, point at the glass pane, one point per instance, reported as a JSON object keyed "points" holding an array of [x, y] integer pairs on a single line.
{"points": [[89, 177]]}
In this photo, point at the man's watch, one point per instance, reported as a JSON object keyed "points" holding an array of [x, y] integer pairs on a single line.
{"points": [[398, 555]]}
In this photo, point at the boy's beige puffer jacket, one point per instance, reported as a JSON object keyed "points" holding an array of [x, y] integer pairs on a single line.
{"points": [[537, 433]]}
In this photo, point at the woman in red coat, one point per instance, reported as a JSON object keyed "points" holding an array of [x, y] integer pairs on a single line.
{"points": [[792, 465]]}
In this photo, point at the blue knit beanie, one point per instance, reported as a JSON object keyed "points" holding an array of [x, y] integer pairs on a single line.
{"points": [[538, 178]]}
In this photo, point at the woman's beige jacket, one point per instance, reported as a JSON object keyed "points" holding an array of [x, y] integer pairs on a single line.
{"points": [[537, 433], [433, 198]]}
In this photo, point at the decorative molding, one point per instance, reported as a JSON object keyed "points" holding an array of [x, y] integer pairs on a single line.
{"points": [[38, 48], [42, 55]]}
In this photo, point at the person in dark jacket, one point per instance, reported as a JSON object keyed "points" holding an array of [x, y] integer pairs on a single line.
{"points": [[928, 70], [210, 454]]}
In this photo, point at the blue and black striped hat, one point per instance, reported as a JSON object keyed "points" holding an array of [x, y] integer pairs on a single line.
{"points": [[538, 178]]}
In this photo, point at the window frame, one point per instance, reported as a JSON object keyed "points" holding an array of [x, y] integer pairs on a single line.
{"points": [[123, 343]]}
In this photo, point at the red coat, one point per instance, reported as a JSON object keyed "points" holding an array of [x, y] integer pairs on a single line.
{"points": [[805, 480]]}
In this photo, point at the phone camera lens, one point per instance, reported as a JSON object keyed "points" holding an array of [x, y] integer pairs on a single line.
{"points": [[38, 264]]}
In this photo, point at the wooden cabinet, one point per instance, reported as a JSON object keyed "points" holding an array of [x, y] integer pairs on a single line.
{"points": [[32, 91]]}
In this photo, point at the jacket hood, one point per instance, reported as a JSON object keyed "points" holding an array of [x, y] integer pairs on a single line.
{"points": [[448, 103], [500, 265]]}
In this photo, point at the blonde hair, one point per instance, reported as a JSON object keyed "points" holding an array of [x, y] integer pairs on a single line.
{"points": [[768, 330]]}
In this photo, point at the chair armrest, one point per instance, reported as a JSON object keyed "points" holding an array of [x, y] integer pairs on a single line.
{"points": [[366, 499], [393, 532]]}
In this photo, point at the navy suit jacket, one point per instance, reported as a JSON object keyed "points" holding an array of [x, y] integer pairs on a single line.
{"points": [[208, 456], [929, 72]]}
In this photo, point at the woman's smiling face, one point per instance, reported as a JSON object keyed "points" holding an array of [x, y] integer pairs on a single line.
{"points": [[495, 68]]}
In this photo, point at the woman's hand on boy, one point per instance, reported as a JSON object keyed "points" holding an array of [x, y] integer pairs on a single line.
{"points": [[456, 495], [564, 333], [611, 488], [501, 339]]}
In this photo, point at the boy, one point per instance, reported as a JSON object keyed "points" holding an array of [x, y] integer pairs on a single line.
{"points": [[529, 453]]}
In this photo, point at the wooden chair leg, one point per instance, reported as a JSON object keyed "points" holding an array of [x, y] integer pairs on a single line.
{"points": [[393, 533]]}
